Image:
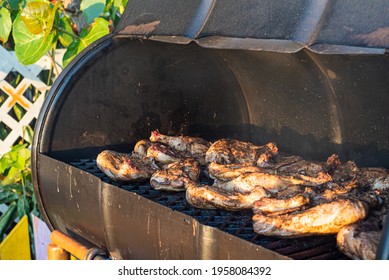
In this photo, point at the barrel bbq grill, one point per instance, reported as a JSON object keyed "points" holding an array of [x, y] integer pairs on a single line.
{"points": [[313, 77]]}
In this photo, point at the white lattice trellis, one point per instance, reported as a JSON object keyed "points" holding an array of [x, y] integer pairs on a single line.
{"points": [[12, 95]]}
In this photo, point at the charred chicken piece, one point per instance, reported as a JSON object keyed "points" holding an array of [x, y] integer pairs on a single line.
{"points": [[207, 197], [124, 167], [376, 178], [142, 146], [163, 154], [313, 171], [360, 240], [272, 183], [228, 151], [193, 147], [326, 218], [301, 198], [229, 172], [176, 176]]}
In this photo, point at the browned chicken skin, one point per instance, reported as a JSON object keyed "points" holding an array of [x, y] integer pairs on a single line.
{"points": [[270, 205], [193, 147], [304, 197], [176, 176], [142, 146], [125, 167], [228, 151], [207, 197], [360, 240], [325, 218], [247, 181], [163, 154]]}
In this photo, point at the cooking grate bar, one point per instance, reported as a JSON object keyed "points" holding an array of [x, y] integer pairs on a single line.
{"points": [[235, 223]]}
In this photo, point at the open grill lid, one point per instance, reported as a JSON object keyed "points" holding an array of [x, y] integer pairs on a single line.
{"points": [[323, 104], [331, 27]]}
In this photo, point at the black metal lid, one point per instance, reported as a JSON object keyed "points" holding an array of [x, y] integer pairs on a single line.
{"points": [[338, 26]]}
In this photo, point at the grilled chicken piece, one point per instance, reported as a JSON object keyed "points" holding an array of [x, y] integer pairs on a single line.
{"points": [[193, 147], [123, 167], [313, 171], [247, 181], [358, 243], [360, 240], [326, 218], [207, 197], [301, 198], [376, 178], [163, 154], [268, 205], [142, 146], [228, 151], [229, 172], [176, 176]]}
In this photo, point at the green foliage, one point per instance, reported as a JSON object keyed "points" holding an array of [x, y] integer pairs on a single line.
{"points": [[98, 29], [5, 24], [16, 189], [34, 28], [37, 26]]}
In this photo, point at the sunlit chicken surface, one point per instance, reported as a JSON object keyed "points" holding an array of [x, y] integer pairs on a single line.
{"points": [[207, 197], [326, 218], [163, 154], [228, 172], [228, 151], [272, 205], [247, 181], [142, 146], [124, 167], [193, 147], [301, 198], [176, 176]]}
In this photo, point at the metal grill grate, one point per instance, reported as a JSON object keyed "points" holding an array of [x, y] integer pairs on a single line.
{"points": [[238, 223]]}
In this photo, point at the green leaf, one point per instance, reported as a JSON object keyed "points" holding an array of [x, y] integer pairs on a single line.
{"points": [[36, 16], [64, 38], [98, 29], [18, 111], [29, 133], [7, 197], [92, 9], [14, 4], [23, 207], [13, 176], [14, 188], [29, 48], [5, 24], [7, 218]]}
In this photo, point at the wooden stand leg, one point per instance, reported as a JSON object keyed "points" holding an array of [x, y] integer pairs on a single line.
{"points": [[57, 253]]}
